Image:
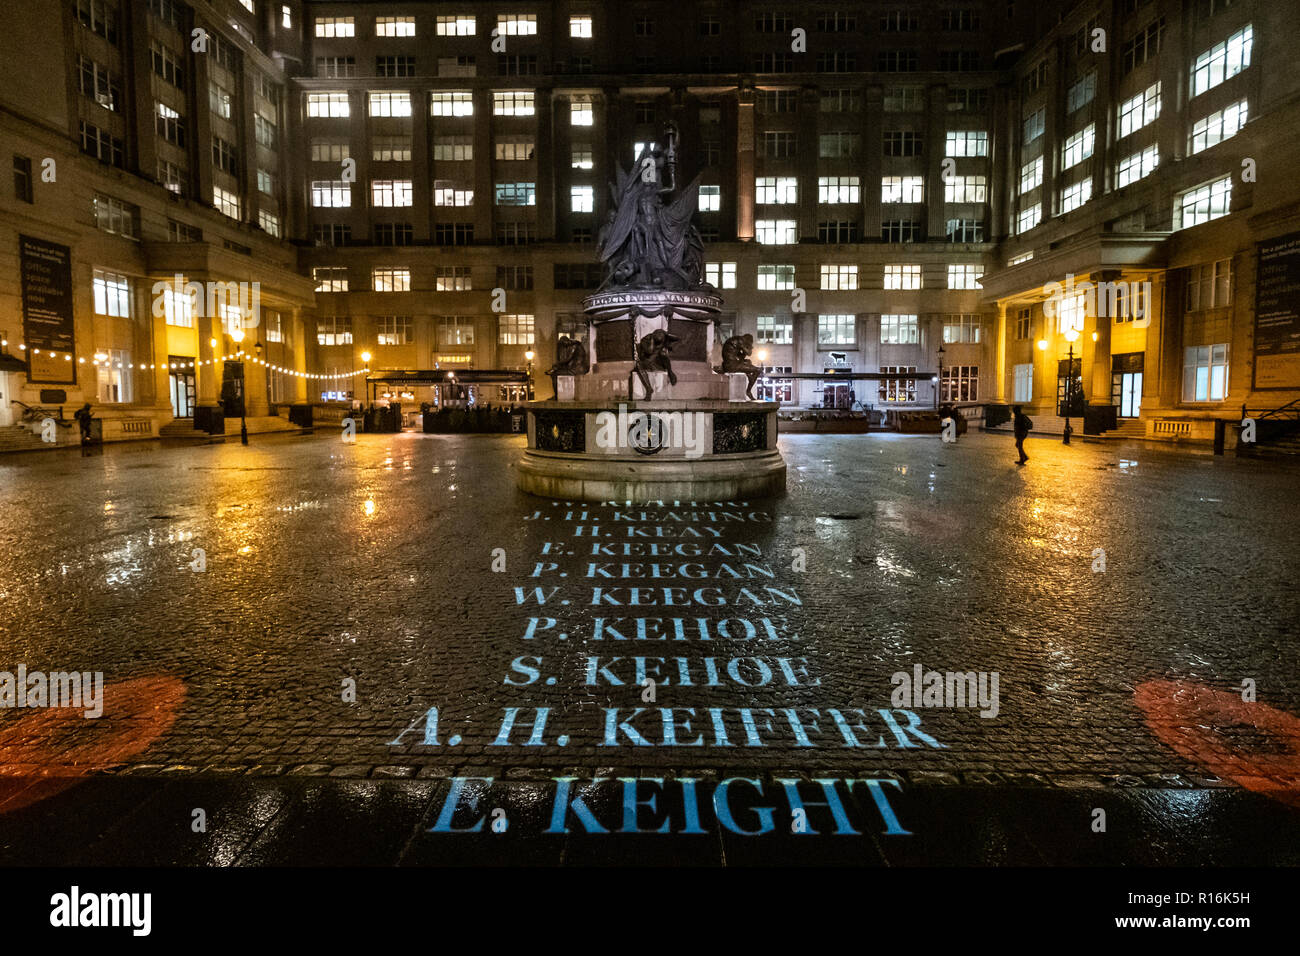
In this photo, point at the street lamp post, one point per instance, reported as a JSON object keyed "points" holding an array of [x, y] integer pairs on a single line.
{"points": [[365, 363], [528, 357], [938, 382], [237, 335], [761, 355], [1071, 335]]}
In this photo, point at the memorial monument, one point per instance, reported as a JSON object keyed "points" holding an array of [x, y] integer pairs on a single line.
{"points": [[640, 411]]}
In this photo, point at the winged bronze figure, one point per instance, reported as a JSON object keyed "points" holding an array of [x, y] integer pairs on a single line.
{"points": [[648, 241]]}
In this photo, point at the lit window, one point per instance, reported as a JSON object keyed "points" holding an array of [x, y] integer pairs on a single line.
{"points": [[455, 103], [330, 278], [582, 199], [967, 143], [720, 275], [581, 112], [517, 24], [580, 27], [226, 202], [394, 26], [776, 232], [839, 278], [1218, 126], [515, 329], [965, 276], [1205, 373], [391, 192], [776, 190], [965, 189], [1132, 168], [1031, 175], [331, 193], [112, 294], [902, 277], [334, 330], [327, 104], [838, 189], [836, 329], [775, 278], [1140, 110], [390, 280], [451, 194], [335, 27], [1029, 217], [514, 150], [902, 189], [961, 329], [1222, 61], [177, 307], [1078, 147], [462, 25], [1212, 200], [1072, 197], [390, 104], [710, 198], [513, 103], [516, 194], [775, 330], [899, 330], [114, 376]]}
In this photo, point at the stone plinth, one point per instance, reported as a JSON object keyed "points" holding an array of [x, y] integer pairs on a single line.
{"points": [[647, 451]]}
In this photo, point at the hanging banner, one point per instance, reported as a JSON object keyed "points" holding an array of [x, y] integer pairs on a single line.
{"points": [[1277, 313], [46, 270]]}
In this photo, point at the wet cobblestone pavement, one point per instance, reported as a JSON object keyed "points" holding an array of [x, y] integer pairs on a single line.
{"points": [[771, 629]]}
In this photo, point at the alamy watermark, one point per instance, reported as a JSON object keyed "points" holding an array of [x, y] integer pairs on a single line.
{"points": [[1124, 300], [946, 689], [651, 432], [82, 690], [227, 301]]}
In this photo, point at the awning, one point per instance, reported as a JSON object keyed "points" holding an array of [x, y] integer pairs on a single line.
{"points": [[9, 363], [464, 376]]}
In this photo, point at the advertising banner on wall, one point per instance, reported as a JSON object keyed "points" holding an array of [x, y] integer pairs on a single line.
{"points": [[46, 269], [1277, 313]]}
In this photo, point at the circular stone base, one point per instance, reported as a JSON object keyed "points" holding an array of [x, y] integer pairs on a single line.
{"points": [[586, 478]]}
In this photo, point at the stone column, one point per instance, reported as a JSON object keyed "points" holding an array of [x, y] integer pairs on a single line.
{"points": [[745, 165], [1000, 353]]}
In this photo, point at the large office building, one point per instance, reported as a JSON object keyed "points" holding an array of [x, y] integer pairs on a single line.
{"points": [[1055, 204]]}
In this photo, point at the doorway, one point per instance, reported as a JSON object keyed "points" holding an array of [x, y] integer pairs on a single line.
{"points": [[1069, 388], [836, 395], [1126, 384], [182, 383]]}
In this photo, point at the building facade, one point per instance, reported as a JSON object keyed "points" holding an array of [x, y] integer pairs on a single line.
{"points": [[1146, 178], [884, 187]]}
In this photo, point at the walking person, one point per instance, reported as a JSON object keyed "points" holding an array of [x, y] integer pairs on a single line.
{"points": [[84, 418], [1021, 425]]}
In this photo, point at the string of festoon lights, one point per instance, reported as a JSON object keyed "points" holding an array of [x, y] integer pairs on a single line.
{"points": [[102, 359]]}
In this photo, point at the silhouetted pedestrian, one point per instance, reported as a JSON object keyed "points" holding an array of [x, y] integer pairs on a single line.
{"points": [[1021, 425], [83, 417]]}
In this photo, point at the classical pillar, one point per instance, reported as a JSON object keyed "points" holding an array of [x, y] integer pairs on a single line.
{"points": [[208, 377], [745, 165], [1000, 353]]}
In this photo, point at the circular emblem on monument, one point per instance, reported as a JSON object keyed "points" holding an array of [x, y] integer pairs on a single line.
{"points": [[645, 434]]}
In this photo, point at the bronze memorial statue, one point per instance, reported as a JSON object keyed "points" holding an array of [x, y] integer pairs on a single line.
{"points": [[652, 355], [735, 358], [647, 241], [570, 359]]}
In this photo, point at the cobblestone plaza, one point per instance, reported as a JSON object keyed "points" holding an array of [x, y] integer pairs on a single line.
{"points": [[393, 611]]}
